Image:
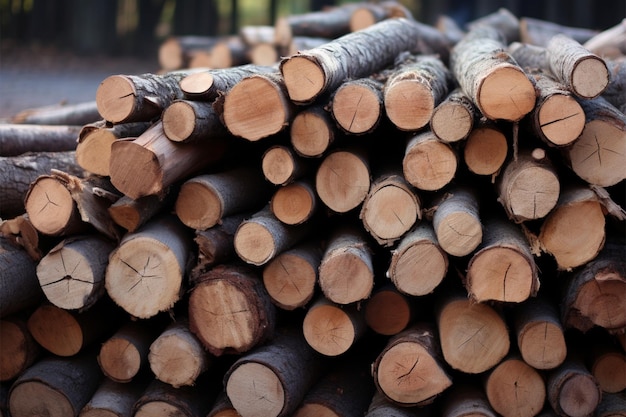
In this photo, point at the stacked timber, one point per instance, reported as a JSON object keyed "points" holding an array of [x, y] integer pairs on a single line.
{"points": [[397, 221]]}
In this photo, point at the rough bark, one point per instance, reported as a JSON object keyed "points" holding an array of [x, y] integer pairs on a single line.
{"points": [[453, 119], [216, 245], [19, 286], [616, 90], [113, 399], [19, 348], [281, 165], [503, 20], [539, 31], [456, 221], [187, 121], [164, 399], [466, 398], [429, 164], [610, 43], [59, 114], [17, 139]]}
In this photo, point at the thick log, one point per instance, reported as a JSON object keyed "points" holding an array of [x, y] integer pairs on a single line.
{"points": [[19, 286], [538, 32], [163, 399], [295, 203], [388, 311], [19, 348], [60, 386], [607, 362], [223, 407], [216, 245], [281, 165], [572, 390], [456, 221], [59, 114], [114, 399], [466, 398], [312, 131], [71, 274], [398, 369], [17, 139], [230, 311], [453, 119], [146, 271], [357, 105], [187, 121], [131, 214], [429, 164], [609, 43], [614, 92], [20, 232], [380, 406], [486, 149]]}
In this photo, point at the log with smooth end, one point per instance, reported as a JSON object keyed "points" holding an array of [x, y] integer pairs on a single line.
{"points": [[19, 348], [312, 131], [281, 165], [186, 121], [429, 164], [357, 105], [572, 390], [453, 119], [295, 203], [485, 150], [456, 222], [388, 311]]}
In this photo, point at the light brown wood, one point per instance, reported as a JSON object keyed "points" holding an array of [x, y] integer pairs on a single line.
{"points": [[357, 105], [186, 120], [456, 221], [312, 131], [295, 203], [453, 119], [388, 311], [281, 165], [19, 348], [429, 164], [131, 214], [607, 363], [216, 245], [572, 390], [485, 150], [208, 85]]}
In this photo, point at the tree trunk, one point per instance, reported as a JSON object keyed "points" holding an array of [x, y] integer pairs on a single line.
{"points": [[17, 139], [453, 119], [282, 166], [59, 114], [429, 164], [113, 399], [19, 348], [146, 271], [609, 43], [19, 289], [539, 32], [230, 311], [456, 222], [216, 245], [398, 369], [312, 131], [503, 20], [388, 311], [161, 399], [572, 390], [607, 362], [486, 149], [188, 121], [71, 274], [357, 105], [295, 203]]}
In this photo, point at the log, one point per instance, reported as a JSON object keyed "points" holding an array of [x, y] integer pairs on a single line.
{"points": [[357, 105], [131, 214], [60, 386], [346, 273], [71, 274], [399, 367], [538, 32], [290, 279], [332, 329], [312, 131], [259, 41], [19, 348], [188, 121], [614, 91], [216, 245], [281, 165], [59, 114], [418, 263], [485, 150], [503, 20], [572, 390], [160, 398], [223, 407], [607, 363], [146, 271], [17, 139], [466, 398], [453, 119], [272, 379], [429, 164], [417, 85], [388, 311], [490, 76], [295, 203], [609, 43], [229, 51], [113, 399], [230, 311], [177, 356], [611, 405], [308, 74], [20, 232], [204, 200], [176, 52], [19, 287], [150, 163], [380, 406]]}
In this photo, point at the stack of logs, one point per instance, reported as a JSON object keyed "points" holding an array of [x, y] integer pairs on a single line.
{"points": [[401, 220]]}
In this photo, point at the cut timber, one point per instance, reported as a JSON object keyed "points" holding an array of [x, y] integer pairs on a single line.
{"points": [[295, 203], [203, 201], [281, 165], [610, 43], [176, 51], [60, 386], [388, 311], [357, 105], [59, 114], [367, 14], [216, 245], [611, 405], [456, 222], [272, 380], [485, 150], [539, 32], [17, 139], [19, 348], [163, 399], [614, 92], [132, 214], [113, 399], [19, 287], [151, 162], [230, 311], [257, 107], [262, 237], [415, 87], [177, 356], [514, 388], [398, 370], [342, 180], [346, 273], [598, 156], [607, 363], [595, 294], [418, 263], [503, 267], [311, 73], [574, 246], [259, 41], [290, 279], [528, 187], [187, 121], [223, 407], [490, 76], [539, 333], [312, 131], [391, 208], [66, 333], [93, 151], [208, 85], [332, 329], [71, 274], [429, 164], [466, 398], [20, 232], [503, 20], [229, 51], [453, 119], [572, 390], [474, 337], [583, 73], [146, 270]]}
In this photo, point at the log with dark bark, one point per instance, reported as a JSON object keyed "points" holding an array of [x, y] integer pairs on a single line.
{"points": [[295, 203], [187, 121], [59, 114], [453, 119], [281, 165], [503, 20], [466, 398], [17, 139], [19, 288], [216, 245], [19, 348], [614, 92], [539, 31], [113, 399], [572, 389], [132, 214], [161, 398], [456, 221]]}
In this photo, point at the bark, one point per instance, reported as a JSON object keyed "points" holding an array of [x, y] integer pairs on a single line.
{"points": [[146, 271], [610, 43], [160, 398], [611, 405], [59, 114], [429, 164], [456, 222], [19, 348], [531, 57], [380, 406], [295, 203], [113, 399], [357, 105], [230, 310], [616, 90], [188, 121], [312, 131], [388, 311], [503, 20], [466, 399], [132, 214], [453, 119], [539, 32], [19, 287], [18, 139], [418, 263], [572, 390], [223, 407], [282, 166], [606, 361], [216, 245]]}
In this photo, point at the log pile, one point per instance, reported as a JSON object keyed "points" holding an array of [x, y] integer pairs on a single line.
{"points": [[397, 221]]}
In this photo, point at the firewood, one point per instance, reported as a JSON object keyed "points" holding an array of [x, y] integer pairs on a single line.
{"points": [[216, 245], [300, 43], [486, 149], [161, 398], [456, 221], [186, 121], [281, 165], [295, 203], [415, 87], [177, 356], [19, 348], [514, 388], [453, 119], [223, 407], [61, 386], [538, 32], [272, 379], [59, 114], [17, 139], [346, 273], [342, 180], [146, 270], [388, 311], [614, 91], [611, 405], [331, 329], [71, 274], [132, 214], [357, 105], [114, 399], [204, 200], [290, 279], [503, 20], [312, 131], [572, 389], [466, 398], [230, 311], [311, 73], [176, 52], [418, 263], [408, 355], [607, 362], [20, 288], [229, 51], [269, 113], [150, 163], [429, 164], [539, 333], [490, 76], [609, 43]]}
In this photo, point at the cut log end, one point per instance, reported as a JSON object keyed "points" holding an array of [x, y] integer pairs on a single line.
{"points": [[179, 120], [119, 359], [254, 243], [342, 181], [356, 108], [459, 233], [390, 212], [328, 329], [532, 193], [304, 79], [135, 170], [590, 77], [254, 389], [346, 279], [311, 134], [50, 323], [485, 151], [430, 166], [388, 312], [293, 203], [115, 98], [452, 123], [278, 165], [422, 280], [409, 104], [290, 281], [507, 94], [53, 401], [197, 84], [198, 206], [561, 119], [49, 205], [534, 340]]}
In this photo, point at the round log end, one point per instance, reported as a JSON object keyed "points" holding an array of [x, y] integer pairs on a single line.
{"points": [[418, 269], [179, 121], [278, 165], [49, 205], [409, 104], [485, 151], [304, 78], [459, 233], [346, 277], [542, 345], [198, 206], [135, 170], [390, 212], [328, 329], [590, 77], [387, 312], [290, 281], [119, 359], [561, 119], [115, 98], [430, 165], [197, 83], [506, 94], [452, 122], [56, 330], [356, 108], [30, 397], [293, 204], [254, 243], [342, 181], [254, 389], [310, 134]]}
